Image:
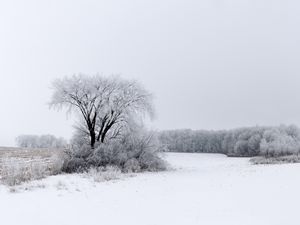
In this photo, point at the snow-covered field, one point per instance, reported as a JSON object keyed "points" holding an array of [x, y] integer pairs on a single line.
{"points": [[205, 189]]}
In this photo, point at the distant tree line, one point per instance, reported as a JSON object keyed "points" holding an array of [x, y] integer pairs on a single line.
{"points": [[251, 141], [42, 141]]}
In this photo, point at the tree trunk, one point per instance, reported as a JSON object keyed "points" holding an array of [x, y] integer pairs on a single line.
{"points": [[93, 138]]}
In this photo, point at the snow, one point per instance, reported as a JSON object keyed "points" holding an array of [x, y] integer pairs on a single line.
{"points": [[207, 189]]}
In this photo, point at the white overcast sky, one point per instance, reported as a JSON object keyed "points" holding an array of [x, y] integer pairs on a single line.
{"points": [[211, 64]]}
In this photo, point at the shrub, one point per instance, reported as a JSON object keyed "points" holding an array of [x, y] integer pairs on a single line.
{"points": [[135, 151], [132, 166], [74, 164], [102, 174], [151, 162], [56, 163]]}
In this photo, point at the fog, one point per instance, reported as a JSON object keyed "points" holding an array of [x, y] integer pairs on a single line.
{"points": [[211, 64]]}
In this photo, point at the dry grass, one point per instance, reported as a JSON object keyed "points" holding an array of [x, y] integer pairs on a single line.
{"points": [[19, 165], [26, 153], [276, 160]]}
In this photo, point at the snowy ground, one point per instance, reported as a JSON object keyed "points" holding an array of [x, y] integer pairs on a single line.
{"points": [[206, 189]]}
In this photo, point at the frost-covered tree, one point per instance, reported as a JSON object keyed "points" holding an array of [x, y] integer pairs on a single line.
{"points": [[105, 105], [280, 141], [251, 141]]}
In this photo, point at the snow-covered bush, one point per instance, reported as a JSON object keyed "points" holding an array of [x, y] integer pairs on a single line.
{"points": [[135, 151], [132, 166], [151, 162], [56, 164], [102, 174]]}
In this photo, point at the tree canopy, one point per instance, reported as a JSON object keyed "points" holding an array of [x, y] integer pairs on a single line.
{"points": [[105, 104]]}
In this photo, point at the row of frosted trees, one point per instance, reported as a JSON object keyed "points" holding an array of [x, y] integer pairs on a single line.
{"points": [[43, 141], [251, 141]]}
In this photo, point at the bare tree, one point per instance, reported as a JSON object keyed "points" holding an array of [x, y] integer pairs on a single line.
{"points": [[105, 104]]}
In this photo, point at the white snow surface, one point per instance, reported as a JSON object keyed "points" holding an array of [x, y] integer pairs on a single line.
{"points": [[204, 189]]}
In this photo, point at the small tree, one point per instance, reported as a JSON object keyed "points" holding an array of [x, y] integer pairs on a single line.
{"points": [[105, 104]]}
